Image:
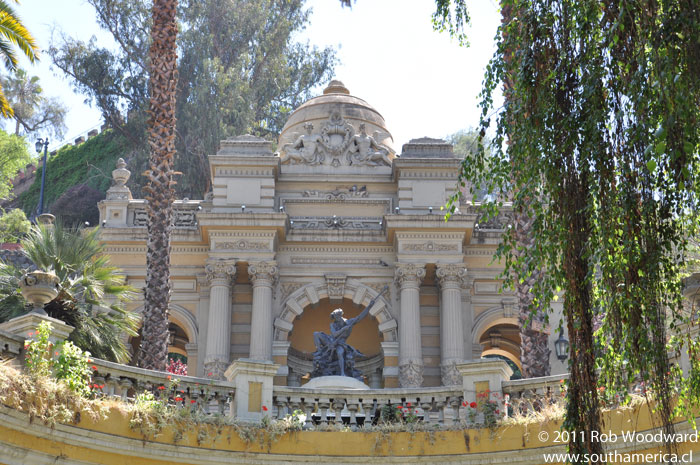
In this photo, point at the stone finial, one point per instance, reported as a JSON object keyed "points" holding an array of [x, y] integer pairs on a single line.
{"points": [[336, 87], [121, 175]]}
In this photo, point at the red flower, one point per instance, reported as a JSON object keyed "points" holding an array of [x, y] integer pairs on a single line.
{"points": [[94, 367], [399, 407], [57, 353], [209, 374], [102, 386], [464, 403], [416, 410], [408, 404], [192, 401], [473, 405], [169, 377], [178, 399], [497, 412], [160, 388], [264, 408]]}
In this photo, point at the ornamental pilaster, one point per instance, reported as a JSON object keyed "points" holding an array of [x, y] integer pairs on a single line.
{"points": [[263, 276], [219, 273], [451, 278], [408, 277]]}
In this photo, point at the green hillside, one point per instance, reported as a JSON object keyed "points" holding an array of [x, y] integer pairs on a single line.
{"points": [[88, 165]]}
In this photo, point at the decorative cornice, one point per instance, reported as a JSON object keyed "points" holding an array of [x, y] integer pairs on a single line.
{"points": [[335, 261]]}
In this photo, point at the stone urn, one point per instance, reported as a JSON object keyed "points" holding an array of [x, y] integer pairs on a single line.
{"points": [[39, 288], [121, 174]]}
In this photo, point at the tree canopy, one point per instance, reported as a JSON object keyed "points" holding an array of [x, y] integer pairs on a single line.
{"points": [[599, 143], [240, 71], [13, 157], [31, 110]]}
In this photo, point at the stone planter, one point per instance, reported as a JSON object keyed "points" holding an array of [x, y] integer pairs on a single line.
{"points": [[39, 288]]}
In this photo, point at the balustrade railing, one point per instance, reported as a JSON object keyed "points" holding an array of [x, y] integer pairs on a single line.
{"points": [[438, 405], [524, 395], [123, 381]]}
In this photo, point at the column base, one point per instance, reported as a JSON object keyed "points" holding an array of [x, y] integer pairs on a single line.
{"points": [[411, 374]]}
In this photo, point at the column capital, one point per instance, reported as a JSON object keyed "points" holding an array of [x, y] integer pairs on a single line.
{"points": [[451, 275], [408, 274], [263, 272], [220, 268]]}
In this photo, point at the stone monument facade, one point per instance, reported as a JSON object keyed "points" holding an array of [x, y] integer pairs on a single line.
{"points": [[327, 221]]}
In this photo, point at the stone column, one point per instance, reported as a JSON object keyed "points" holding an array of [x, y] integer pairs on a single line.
{"points": [[408, 277], [220, 273], [262, 275], [451, 278]]}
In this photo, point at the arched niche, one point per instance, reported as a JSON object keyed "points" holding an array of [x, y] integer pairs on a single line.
{"points": [[313, 293]]}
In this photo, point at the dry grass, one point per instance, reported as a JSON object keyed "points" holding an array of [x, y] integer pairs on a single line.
{"points": [[45, 399]]}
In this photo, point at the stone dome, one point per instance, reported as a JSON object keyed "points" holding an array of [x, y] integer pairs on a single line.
{"points": [[336, 100]]}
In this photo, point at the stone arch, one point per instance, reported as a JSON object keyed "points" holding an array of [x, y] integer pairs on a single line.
{"points": [[354, 290], [183, 318], [491, 317]]}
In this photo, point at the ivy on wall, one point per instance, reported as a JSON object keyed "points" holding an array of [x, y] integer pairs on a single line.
{"points": [[89, 163]]}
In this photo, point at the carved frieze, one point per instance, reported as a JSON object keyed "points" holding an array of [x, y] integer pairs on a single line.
{"points": [[335, 222], [338, 194], [430, 246], [336, 144], [243, 245], [411, 375]]}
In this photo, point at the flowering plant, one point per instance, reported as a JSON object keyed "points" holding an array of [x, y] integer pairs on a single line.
{"points": [[176, 367]]}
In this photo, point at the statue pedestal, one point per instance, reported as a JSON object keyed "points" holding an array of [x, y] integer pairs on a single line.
{"points": [[253, 382], [335, 382], [29, 323]]}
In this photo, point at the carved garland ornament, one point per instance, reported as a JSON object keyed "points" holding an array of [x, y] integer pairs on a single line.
{"points": [[450, 374], [430, 246], [411, 375]]}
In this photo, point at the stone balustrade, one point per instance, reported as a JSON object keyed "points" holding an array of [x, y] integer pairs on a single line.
{"points": [[438, 405], [123, 381], [524, 395], [184, 213]]}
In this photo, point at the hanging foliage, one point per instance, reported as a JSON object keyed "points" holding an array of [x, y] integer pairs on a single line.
{"points": [[601, 114]]}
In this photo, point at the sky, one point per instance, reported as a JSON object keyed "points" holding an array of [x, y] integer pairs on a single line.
{"points": [[421, 81]]}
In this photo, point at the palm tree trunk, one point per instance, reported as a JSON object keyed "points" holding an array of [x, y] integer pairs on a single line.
{"points": [[159, 191]]}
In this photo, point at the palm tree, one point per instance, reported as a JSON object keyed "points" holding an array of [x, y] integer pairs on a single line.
{"points": [[92, 292], [13, 33], [159, 191], [23, 93]]}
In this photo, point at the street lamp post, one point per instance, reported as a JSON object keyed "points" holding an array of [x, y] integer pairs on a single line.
{"points": [[39, 144]]}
